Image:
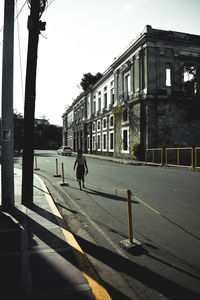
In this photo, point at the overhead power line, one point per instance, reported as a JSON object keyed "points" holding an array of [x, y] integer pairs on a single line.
{"points": [[19, 46]]}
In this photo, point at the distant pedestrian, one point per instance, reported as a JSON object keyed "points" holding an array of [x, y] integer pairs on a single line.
{"points": [[81, 168]]}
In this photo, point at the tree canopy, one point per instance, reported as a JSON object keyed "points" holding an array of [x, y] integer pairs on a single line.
{"points": [[88, 80]]}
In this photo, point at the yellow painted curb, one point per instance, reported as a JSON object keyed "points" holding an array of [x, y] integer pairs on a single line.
{"points": [[93, 280]]}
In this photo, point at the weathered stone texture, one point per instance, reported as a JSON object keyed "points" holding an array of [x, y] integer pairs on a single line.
{"points": [[174, 123]]}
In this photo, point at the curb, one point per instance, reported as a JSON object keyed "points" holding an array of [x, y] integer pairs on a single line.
{"points": [[85, 266], [114, 159]]}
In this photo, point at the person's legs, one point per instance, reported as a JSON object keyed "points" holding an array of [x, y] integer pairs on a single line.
{"points": [[79, 175], [79, 181]]}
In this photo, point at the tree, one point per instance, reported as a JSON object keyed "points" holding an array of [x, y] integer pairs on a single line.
{"points": [[88, 80], [47, 136], [191, 79]]}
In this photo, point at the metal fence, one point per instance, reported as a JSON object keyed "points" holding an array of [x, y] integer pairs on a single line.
{"points": [[155, 155], [197, 157], [180, 156]]}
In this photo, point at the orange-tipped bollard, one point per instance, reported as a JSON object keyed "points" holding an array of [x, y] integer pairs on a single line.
{"points": [[63, 177]]}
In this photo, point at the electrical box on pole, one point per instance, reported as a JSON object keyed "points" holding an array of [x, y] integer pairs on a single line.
{"points": [[34, 27], [7, 170]]}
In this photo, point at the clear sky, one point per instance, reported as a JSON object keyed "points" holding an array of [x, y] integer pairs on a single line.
{"points": [[85, 36]]}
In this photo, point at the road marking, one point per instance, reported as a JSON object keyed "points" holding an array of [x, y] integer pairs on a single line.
{"points": [[93, 280]]}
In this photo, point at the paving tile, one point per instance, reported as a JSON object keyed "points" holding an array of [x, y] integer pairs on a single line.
{"points": [[41, 238], [34, 219]]}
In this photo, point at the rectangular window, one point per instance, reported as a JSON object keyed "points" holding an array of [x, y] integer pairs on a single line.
{"points": [[104, 141], [99, 142], [127, 84], [112, 96], [88, 142], [105, 100], [99, 104], [93, 142], [104, 123], [125, 115], [125, 140], [98, 125], [111, 121], [94, 104], [168, 77], [111, 141], [190, 77]]}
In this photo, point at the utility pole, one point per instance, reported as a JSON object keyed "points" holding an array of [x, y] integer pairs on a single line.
{"points": [[34, 27], [7, 170]]}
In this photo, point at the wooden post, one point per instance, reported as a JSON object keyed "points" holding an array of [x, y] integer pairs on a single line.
{"points": [[63, 177], [56, 175], [36, 168]]}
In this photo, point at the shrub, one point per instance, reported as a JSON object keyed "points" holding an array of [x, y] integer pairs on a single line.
{"points": [[137, 150]]}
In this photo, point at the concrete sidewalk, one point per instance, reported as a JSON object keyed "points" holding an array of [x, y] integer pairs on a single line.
{"points": [[39, 257]]}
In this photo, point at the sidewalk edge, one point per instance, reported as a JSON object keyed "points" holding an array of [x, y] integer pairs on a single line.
{"points": [[93, 280]]}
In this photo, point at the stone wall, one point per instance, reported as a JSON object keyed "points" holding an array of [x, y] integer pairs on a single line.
{"points": [[134, 122], [174, 123]]}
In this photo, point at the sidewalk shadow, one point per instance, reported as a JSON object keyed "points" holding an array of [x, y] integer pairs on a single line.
{"points": [[59, 246], [149, 278], [10, 258], [121, 264]]}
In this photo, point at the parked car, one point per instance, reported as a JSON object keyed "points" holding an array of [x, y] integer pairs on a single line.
{"points": [[65, 150]]}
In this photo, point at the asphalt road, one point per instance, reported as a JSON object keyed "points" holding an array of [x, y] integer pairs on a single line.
{"points": [[165, 210]]}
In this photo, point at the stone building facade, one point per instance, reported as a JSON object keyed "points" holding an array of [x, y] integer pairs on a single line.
{"points": [[150, 95]]}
